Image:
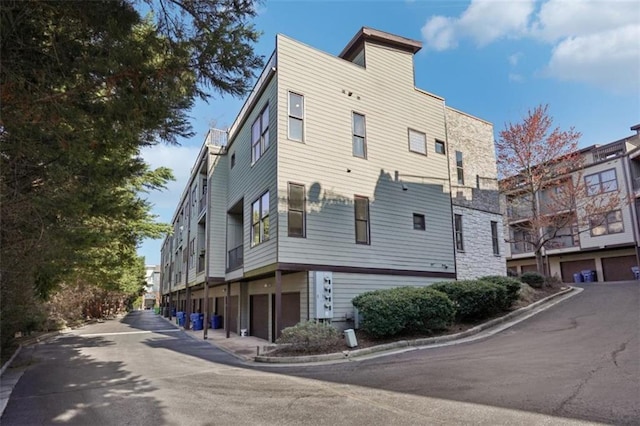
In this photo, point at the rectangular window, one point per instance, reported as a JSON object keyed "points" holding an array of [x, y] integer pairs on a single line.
{"points": [[296, 117], [361, 208], [359, 136], [459, 168], [599, 183], [494, 238], [297, 208], [417, 142], [440, 147], [260, 220], [457, 223], [233, 160], [418, 222], [260, 135], [610, 223]]}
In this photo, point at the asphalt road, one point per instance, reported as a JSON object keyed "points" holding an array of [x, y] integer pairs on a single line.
{"points": [[578, 361]]}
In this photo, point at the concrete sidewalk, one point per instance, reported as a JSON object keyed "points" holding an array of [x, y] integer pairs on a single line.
{"points": [[252, 349]]}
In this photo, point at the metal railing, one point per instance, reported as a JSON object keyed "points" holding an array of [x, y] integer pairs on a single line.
{"points": [[235, 258]]}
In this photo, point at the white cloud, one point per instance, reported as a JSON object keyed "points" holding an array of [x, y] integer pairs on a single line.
{"points": [[515, 58], [483, 21], [591, 41], [516, 78], [440, 33], [608, 59], [559, 19]]}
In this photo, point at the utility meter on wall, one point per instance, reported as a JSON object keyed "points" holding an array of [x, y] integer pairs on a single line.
{"points": [[324, 294]]}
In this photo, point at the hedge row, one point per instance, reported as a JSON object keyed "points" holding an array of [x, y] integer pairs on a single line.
{"points": [[390, 312], [404, 309]]}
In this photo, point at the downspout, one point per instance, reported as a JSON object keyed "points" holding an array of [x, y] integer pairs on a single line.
{"points": [[453, 225], [207, 252]]}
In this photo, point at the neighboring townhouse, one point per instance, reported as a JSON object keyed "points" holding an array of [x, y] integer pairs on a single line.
{"points": [[610, 246], [151, 296], [334, 180]]}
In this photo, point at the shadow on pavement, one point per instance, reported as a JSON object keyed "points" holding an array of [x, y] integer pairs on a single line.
{"points": [[79, 390]]}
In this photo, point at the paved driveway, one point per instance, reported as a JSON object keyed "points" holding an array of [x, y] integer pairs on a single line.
{"points": [[579, 359]]}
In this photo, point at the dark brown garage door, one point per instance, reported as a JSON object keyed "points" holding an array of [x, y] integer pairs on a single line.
{"points": [[290, 311], [259, 316], [233, 314], [618, 268], [575, 266]]}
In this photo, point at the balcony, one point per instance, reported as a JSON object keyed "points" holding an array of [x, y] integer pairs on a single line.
{"points": [[518, 213], [235, 258], [202, 204], [521, 247]]}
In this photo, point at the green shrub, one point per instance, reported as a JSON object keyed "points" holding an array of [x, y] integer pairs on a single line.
{"points": [[310, 336], [534, 279], [474, 299], [512, 286], [398, 310]]}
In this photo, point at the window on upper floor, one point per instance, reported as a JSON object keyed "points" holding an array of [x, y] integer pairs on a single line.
{"points": [[296, 117], [459, 168], [417, 142], [457, 227], [233, 160], [296, 211], [361, 209], [609, 223], [439, 147], [260, 220], [359, 136], [494, 238], [599, 183], [419, 222], [260, 135]]}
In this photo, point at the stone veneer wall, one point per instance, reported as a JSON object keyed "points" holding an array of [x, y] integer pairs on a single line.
{"points": [[478, 259]]}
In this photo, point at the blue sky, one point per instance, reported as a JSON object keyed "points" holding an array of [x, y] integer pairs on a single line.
{"points": [[492, 59]]}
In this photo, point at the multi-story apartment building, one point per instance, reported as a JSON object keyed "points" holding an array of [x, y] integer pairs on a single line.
{"points": [[151, 296], [336, 178], [606, 244]]}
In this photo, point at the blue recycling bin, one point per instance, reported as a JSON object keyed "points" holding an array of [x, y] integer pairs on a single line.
{"points": [[216, 321], [589, 276], [180, 318], [577, 277], [197, 321]]}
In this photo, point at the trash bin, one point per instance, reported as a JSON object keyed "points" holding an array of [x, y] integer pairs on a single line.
{"points": [[216, 321], [197, 321], [350, 338], [180, 318], [589, 276], [577, 277], [173, 312], [636, 272]]}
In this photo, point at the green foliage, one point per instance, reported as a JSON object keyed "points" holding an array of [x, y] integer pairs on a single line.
{"points": [[474, 300], [83, 90], [403, 309], [511, 285], [310, 336], [534, 279]]}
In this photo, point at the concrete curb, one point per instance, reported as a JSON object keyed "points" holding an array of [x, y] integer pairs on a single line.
{"points": [[417, 343], [28, 342]]}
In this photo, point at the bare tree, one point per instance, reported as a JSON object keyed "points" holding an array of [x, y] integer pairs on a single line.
{"points": [[542, 178]]}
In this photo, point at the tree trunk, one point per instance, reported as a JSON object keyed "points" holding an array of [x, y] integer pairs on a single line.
{"points": [[540, 262]]}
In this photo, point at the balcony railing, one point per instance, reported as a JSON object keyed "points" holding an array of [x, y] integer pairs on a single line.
{"points": [[236, 258], [202, 204], [200, 263], [516, 213], [521, 247]]}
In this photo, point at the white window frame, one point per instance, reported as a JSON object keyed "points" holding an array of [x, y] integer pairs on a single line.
{"points": [[302, 212], [366, 220], [292, 116], [417, 134], [354, 135], [460, 168], [261, 144], [260, 223], [441, 143]]}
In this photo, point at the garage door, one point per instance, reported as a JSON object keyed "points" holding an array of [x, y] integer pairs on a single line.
{"points": [[575, 266], [259, 316], [618, 268], [290, 311]]}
